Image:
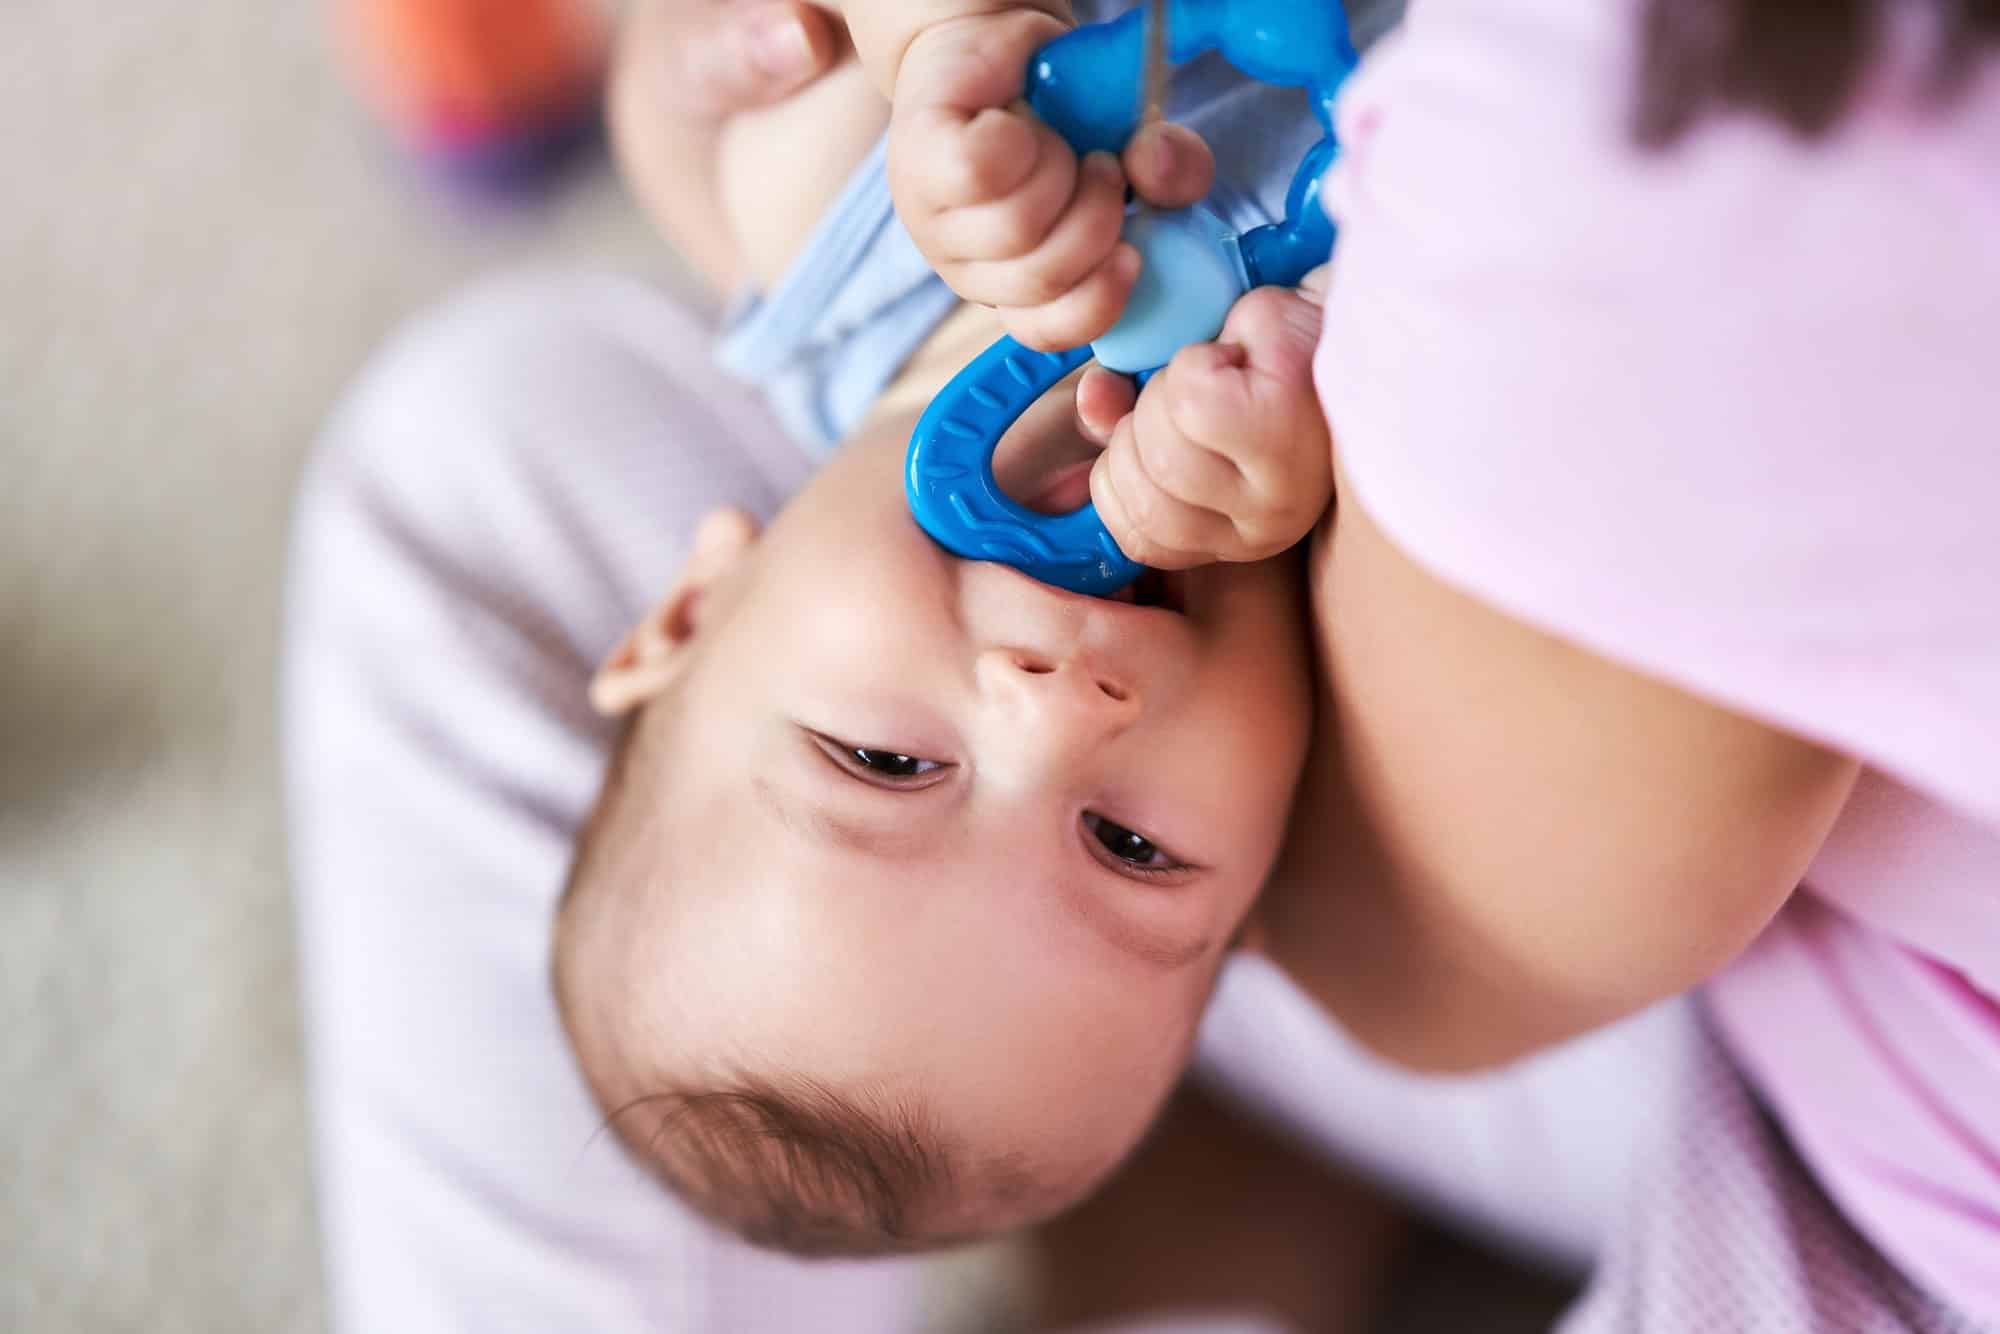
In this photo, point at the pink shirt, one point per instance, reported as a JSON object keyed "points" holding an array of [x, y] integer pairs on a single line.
{"points": [[1730, 415]]}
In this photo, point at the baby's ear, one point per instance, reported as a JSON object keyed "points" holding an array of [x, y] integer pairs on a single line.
{"points": [[653, 652]]}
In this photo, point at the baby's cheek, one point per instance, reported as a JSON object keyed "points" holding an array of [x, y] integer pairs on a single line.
{"points": [[1253, 751]]}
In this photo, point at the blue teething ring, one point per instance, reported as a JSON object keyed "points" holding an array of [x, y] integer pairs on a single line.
{"points": [[1086, 85]]}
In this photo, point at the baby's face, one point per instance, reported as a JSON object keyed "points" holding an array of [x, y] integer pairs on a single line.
{"points": [[949, 834]]}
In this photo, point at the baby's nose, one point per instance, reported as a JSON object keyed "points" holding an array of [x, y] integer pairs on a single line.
{"points": [[1083, 700]]}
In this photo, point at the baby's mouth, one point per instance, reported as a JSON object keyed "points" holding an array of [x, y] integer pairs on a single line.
{"points": [[1067, 488], [1166, 590]]}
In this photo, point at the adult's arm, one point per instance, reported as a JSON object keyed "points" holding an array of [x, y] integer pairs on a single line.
{"points": [[1665, 483], [1508, 840]]}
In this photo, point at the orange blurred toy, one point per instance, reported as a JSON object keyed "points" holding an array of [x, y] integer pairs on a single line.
{"points": [[492, 92]]}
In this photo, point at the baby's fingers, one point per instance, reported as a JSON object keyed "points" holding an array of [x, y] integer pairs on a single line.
{"points": [[1278, 329], [1250, 396], [1180, 464], [1150, 524], [959, 135], [1169, 165], [941, 158], [1081, 314], [1103, 399], [1016, 224], [1073, 248], [1057, 225]]}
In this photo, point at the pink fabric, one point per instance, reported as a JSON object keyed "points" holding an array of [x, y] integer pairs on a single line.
{"points": [[1731, 415]]}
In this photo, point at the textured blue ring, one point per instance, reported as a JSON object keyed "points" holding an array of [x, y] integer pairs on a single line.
{"points": [[1086, 85]]}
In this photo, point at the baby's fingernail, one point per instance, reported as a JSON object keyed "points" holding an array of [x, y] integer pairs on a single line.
{"points": [[1125, 262], [779, 46], [1103, 166], [1175, 154]]}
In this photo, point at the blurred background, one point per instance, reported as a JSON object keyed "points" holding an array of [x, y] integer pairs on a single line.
{"points": [[201, 238]]}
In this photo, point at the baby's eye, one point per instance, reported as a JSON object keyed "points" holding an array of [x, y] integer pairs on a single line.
{"points": [[892, 765], [879, 764], [1134, 849]]}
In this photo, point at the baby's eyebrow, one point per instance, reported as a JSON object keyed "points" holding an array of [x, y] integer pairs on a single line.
{"points": [[898, 843]]}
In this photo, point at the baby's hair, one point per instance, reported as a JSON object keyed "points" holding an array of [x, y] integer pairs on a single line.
{"points": [[794, 1164], [787, 1162]]}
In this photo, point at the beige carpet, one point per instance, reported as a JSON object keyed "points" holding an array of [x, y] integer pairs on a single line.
{"points": [[198, 244]]}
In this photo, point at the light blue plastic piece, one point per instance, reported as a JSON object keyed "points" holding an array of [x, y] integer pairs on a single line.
{"points": [[1086, 85], [1193, 273]]}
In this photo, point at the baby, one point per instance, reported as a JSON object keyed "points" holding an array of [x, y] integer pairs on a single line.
{"points": [[911, 876]]}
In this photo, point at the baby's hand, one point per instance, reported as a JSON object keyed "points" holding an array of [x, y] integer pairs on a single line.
{"points": [[997, 201], [1226, 455], [681, 71]]}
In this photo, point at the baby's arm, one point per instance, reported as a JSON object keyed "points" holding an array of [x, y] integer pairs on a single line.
{"points": [[1225, 456], [685, 72], [997, 202]]}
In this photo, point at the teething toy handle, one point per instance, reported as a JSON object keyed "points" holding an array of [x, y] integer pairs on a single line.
{"points": [[1086, 85], [957, 501]]}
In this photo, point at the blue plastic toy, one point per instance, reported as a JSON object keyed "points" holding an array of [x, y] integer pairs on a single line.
{"points": [[1087, 86]]}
